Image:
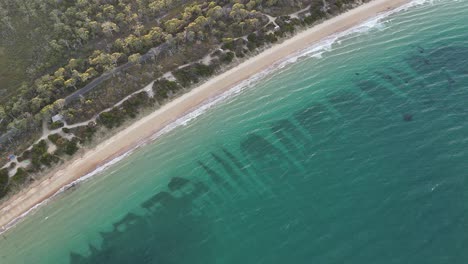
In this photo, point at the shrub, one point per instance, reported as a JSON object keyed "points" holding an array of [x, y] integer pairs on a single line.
{"points": [[132, 106], [271, 38], [37, 151], [40, 156], [316, 13], [20, 177], [3, 181], [112, 118], [26, 155], [85, 133], [227, 57], [164, 89], [55, 138], [48, 159], [71, 147], [229, 45], [191, 74], [55, 125]]}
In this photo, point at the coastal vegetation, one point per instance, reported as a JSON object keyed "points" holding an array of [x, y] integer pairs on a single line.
{"points": [[71, 68], [3, 180]]}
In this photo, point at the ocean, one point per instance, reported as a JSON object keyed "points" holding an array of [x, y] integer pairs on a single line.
{"points": [[354, 151]]}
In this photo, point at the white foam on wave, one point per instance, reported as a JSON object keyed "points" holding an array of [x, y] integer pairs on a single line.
{"points": [[65, 188], [377, 22], [314, 51], [184, 120]]}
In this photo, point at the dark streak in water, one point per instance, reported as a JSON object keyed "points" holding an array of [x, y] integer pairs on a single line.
{"points": [[215, 177]]}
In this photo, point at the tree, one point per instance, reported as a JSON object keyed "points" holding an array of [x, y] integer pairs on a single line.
{"points": [[134, 43], [91, 72], [83, 34], [173, 25], [72, 64], [190, 12], [58, 104], [134, 58], [36, 104], [156, 35], [108, 28], [84, 77], [116, 58], [82, 3], [70, 83], [103, 61], [138, 29], [156, 6], [120, 45], [251, 5], [60, 72], [47, 111], [238, 12], [199, 23], [19, 123], [109, 11], [3, 114]]}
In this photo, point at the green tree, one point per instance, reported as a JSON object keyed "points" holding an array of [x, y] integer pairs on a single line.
{"points": [[108, 28], [134, 58], [47, 111], [70, 83], [36, 104], [173, 25], [3, 114]]}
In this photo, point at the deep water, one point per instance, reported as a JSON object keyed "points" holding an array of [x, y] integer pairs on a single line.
{"points": [[358, 155]]}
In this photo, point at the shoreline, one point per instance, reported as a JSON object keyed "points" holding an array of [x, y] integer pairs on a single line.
{"points": [[143, 130]]}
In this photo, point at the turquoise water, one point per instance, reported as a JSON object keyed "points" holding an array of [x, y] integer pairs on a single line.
{"points": [[355, 157]]}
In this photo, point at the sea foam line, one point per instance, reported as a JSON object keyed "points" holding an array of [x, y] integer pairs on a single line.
{"points": [[377, 22], [314, 51], [66, 187]]}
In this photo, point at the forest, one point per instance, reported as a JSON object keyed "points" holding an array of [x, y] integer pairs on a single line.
{"points": [[78, 59]]}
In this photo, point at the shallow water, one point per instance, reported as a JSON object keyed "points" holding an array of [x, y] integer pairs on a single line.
{"points": [[355, 156]]}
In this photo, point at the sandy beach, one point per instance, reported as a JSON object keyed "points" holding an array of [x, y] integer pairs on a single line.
{"points": [[143, 129]]}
